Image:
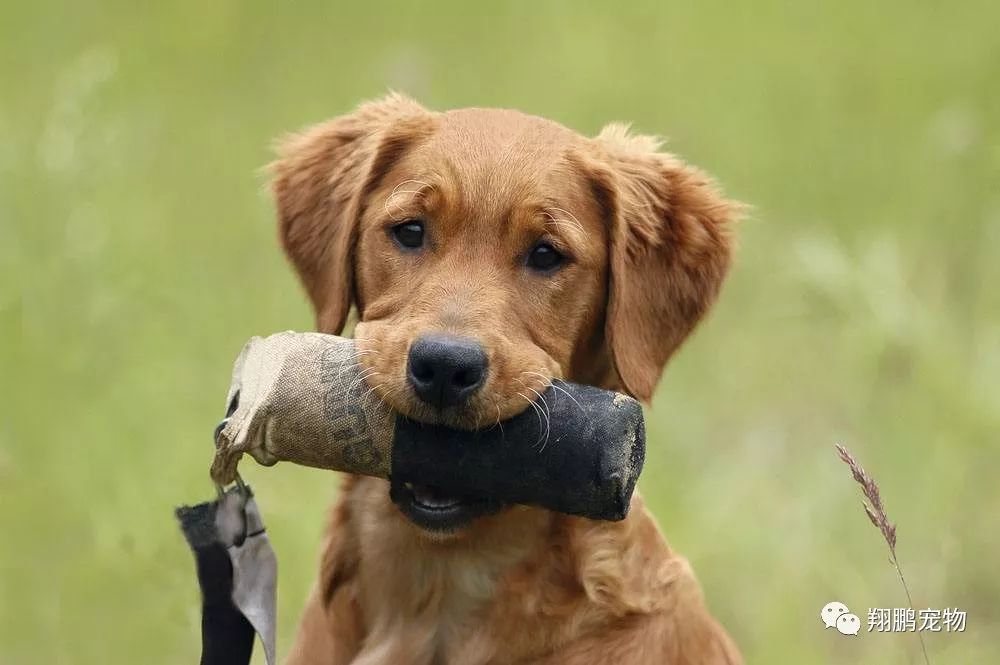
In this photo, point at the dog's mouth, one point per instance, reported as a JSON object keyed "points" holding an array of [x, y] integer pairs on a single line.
{"points": [[434, 509]]}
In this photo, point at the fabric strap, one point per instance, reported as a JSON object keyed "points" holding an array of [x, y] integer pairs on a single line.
{"points": [[237, 574]]}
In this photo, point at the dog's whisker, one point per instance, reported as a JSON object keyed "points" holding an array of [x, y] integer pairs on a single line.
{"points": [[564, 222], [572, 221], [538, 414], [365, 373], [344, 367], [356, 385], [555, 386], [544, 403], [368, 393], [371, 389], [398, 206], [543, 409], [499, 424], [383, 399], [548, 416], [361, 377], [546, 380], [423, 185], [349, 367], [396, 191], [568, 214]]}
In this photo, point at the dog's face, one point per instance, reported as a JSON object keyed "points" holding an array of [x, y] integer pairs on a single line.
{"points": [[488, 252], [480, 271]]}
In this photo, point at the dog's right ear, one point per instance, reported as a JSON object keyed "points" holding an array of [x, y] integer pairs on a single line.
{"points": [[320, 181]]}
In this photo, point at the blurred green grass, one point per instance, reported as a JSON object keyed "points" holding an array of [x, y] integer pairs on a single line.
{"points": [[137, 253]]}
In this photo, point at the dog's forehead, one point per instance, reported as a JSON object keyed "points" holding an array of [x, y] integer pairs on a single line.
{"points": [[498, 157], [477, 129]]}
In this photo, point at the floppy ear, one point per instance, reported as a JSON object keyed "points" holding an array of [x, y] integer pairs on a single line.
{"points": [[670, 250], [319, 184]]}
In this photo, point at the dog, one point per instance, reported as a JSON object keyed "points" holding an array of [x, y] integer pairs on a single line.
{"points": [[487, 252]]}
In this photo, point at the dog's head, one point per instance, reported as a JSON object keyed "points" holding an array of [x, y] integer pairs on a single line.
{"points": [[488, 251]]}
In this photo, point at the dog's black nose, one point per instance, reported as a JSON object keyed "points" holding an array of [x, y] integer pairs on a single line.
{"points": [[445, 370]]}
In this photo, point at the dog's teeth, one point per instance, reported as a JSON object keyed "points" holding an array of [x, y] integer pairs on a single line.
{"points": [[431, 500], [439, 503]]}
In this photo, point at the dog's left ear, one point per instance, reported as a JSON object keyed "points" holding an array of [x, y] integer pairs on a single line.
{"points": [[670, 251]]}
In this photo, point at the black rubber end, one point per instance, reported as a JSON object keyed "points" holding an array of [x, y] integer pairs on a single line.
{"points": [[583, 459]]}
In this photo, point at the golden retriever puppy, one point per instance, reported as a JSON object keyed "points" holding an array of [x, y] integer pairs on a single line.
{"points": [[487, 252]]}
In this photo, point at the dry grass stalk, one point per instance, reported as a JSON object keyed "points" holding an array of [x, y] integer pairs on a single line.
{"points": [[876, 514]]}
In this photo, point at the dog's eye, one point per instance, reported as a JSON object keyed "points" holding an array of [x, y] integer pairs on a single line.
{"points": [[409, 234], [544, 257]]}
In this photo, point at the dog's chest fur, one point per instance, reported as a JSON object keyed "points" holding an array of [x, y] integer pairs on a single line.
{"points": [[433, 604]]}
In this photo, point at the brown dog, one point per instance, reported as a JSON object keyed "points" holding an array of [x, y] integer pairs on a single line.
{"points": [[486, 252]]}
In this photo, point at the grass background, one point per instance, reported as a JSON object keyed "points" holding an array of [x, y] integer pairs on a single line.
{"points": [[137, 253]]}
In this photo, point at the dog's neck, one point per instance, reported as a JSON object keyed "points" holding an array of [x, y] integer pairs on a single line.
{"points": [[497, 584], [435, 599]]}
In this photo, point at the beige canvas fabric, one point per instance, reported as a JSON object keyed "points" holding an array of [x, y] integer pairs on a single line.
{"points": [[302, 398]]}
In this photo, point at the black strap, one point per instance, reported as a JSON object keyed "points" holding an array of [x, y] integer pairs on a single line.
{"points": [[226, 635]]}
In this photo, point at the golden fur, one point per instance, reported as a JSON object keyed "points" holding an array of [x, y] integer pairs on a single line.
{"points": [[647, 241]]}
